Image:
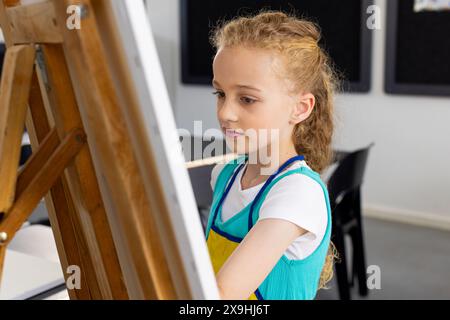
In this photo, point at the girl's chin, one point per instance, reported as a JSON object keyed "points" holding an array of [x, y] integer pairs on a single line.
{"points": [[241, 148], [240, 145], [237, 145]]}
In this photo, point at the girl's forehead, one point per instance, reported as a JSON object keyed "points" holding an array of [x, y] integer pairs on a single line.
{"points": [[252, 65]]}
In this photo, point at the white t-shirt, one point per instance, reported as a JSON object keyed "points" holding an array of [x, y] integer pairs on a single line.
{"points": [[296, 198]]}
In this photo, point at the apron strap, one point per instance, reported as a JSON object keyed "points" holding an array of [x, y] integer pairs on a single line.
{"points": [[222, 198], [258, 196], [266, 184]]}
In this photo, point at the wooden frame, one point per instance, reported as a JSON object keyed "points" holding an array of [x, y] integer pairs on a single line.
{"points": [[106, 145]]}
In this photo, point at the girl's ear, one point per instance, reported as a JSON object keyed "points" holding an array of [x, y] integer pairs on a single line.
{"points": [[302, 108]]}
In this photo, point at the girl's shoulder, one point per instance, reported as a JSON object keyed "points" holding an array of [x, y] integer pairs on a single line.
{"points": [[300, 199], [299, 179]]}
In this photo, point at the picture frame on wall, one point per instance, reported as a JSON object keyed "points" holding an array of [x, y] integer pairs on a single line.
{"points": [[345, 35], [417, 49]]}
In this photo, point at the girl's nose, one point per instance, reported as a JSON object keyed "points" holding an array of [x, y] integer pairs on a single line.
{"points": [[227, 112]]}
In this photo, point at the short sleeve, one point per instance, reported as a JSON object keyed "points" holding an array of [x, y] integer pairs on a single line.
{"points": [[299, 199], [215, 173]]}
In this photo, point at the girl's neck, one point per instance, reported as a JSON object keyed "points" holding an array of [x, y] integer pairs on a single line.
{"points": [[260, 167]]}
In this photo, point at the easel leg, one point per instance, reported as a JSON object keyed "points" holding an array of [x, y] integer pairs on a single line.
{"points": [[41, 181], [64, 216], [14, 92], [2, 261], [83, 179], [37, 160], [70, 241]]}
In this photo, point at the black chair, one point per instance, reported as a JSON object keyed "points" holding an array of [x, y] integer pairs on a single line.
{"points": [[200, 180], [344, 187], [25, 154], [200, 176]]}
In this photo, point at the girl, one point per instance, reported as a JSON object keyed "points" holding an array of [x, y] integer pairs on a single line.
{"points": [[269, 234]]}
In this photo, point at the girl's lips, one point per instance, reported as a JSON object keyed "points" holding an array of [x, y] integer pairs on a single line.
{"points": [[232, 133]]}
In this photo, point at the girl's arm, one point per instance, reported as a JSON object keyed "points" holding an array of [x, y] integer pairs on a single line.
{"points": [[255, 257]]}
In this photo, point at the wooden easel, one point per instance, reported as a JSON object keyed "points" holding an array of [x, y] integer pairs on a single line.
{"points": [[72, 90]]}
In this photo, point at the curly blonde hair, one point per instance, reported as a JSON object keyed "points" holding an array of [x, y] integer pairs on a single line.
{"points": [[308, 67]]}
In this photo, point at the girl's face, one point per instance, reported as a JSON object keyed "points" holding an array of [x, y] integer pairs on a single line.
{"points": [[253, 101]]}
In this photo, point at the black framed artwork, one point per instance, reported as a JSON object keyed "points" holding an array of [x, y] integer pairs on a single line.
{"points": [[417, 50], [345, 35]]}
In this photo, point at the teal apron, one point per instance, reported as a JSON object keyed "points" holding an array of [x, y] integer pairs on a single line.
{"points": [[289, 279]]}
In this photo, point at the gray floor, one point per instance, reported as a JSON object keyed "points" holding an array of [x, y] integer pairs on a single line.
{"points": [[414, 262]]}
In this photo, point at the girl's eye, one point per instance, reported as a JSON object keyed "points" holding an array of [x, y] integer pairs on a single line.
{"points": [[219, 94], [247, 100]]}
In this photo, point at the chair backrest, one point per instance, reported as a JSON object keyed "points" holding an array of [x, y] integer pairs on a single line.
{"points": [[200, 180], [348, 174]]}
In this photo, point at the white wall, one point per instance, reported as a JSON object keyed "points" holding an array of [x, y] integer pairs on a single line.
{"points": [[408, 174]]}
